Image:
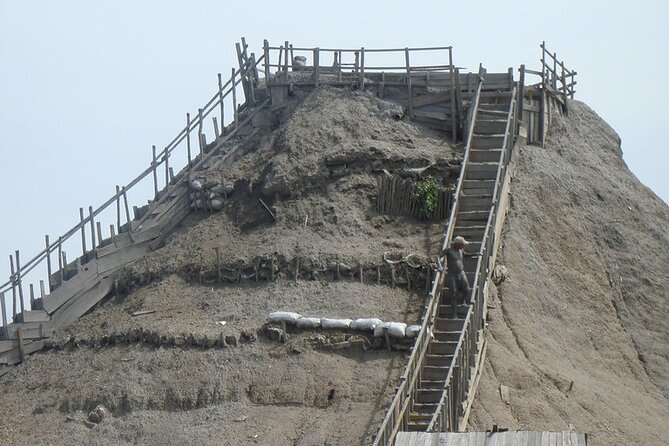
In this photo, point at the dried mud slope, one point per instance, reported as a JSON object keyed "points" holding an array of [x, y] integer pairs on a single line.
{"points": [[580, 332], [177, 375]]}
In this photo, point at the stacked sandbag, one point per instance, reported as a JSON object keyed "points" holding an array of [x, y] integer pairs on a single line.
{"points": [[376, 326], [209, 195]]}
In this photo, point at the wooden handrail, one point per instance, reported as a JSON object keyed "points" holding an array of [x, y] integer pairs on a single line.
{"points": [[160, 157]]}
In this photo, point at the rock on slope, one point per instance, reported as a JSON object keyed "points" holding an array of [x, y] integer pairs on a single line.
{"points": [[580, 332]]}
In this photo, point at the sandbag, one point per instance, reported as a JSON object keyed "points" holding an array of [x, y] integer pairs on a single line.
{"points": [[308, 322], [196, 185], [365, 324], [394, 329], [217, 204], [284, 316], [412, 331], [336, 323]]}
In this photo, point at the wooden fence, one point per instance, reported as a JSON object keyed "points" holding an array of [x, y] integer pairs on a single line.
{"points": [[396, 197], [59, 271], [353, 67]]}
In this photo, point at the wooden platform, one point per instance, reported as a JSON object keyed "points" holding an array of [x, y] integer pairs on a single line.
{"points": [[509, 438]]}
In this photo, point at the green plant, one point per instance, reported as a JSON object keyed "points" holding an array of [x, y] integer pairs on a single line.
{"points": [[425, 193]]}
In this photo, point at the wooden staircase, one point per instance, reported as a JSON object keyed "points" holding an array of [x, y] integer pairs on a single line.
{"points": [[479, 179]]}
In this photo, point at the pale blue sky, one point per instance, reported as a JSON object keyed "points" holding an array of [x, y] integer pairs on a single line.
{"points": [[87, 86]]}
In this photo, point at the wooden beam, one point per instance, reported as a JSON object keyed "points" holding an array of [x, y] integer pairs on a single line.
{"points": [[83, 230], [154, 165], [409, 89], [48, 260], [4, 313]]}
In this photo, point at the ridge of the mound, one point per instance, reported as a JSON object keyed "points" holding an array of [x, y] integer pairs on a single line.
{"points": [[579, 333]]}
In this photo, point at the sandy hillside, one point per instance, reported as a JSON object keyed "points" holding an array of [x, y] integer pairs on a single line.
{"points": [[176, 376], [580, 332]]}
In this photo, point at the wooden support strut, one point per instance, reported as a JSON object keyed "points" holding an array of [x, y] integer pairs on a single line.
{"points": [[199, 131], [188, 139], [409, 89], [83, 230], [118, 209], [90, 217], [265, 46], [18, 279], [234, 99], [4, 314], [220, 102]]}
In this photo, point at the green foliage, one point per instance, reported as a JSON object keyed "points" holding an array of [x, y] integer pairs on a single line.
{"points": [[425, 193]]}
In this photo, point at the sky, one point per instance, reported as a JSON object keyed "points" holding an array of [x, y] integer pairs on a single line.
{"points": [[86, 87]]}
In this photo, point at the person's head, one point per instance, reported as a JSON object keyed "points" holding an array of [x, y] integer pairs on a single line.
{"points": [[459, 242]]}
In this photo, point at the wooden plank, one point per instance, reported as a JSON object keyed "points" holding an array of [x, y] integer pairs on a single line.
{"points": [[30, 330], [10, 357], [83, 302], [430, 99], [35, 316], [63, 293], [121, 258], [8, 345]]}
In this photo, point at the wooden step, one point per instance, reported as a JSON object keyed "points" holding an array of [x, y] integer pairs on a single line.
{"points": [[489, 126], [468, 184], [481, 171], [448, 324], [496, 106], [428, 395], [485, 155], [434, 384], [495, 141], [469, 203], [423, 408], [418, 425], [441, 348], [479, 216], [473, 232], [441, 360], [487, 112], [446, 309]]}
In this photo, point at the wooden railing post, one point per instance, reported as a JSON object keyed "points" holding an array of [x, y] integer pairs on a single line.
{"points": [[543, 65], [18, 278], [167, 168], [214, 122], [188, 139], [98, 225], [317, 64], [32, 296], [454, 108], [199, 131], [409, 89], [155, 172], [221, 103], [12, 272], [83, 230], [48, 260], [61, 264], [125, 203], [118, 209], [285, 71], [521, 93], [4, 313], [234, 94], [361, 79], [90, 217], [265, 50]]}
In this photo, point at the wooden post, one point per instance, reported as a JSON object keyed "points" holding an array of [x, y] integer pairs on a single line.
{"points": [[338, 62], [286, 61], [4, 313], [18, 278], [454, 109], [409, 92], [362, 278], [215, 124], [48, 260], [382, 85], [265, 47], [83, 230], [41, 289], [125, 203], [520, 96], [112, 233], [118, 208], [297, 268], [167, 168], [271, 270], [32, 297], [13, 271], [99, 231], [19, 338], [317, 64], [220, 102], [155, 172], [254, 71], [543, 65], [199, 131], [250, 66], [61, 266], [361, 80], [188, 137], [555, 71], [240, 60], [91, 217], [234, 98], [564, 87], [64, 254]]}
